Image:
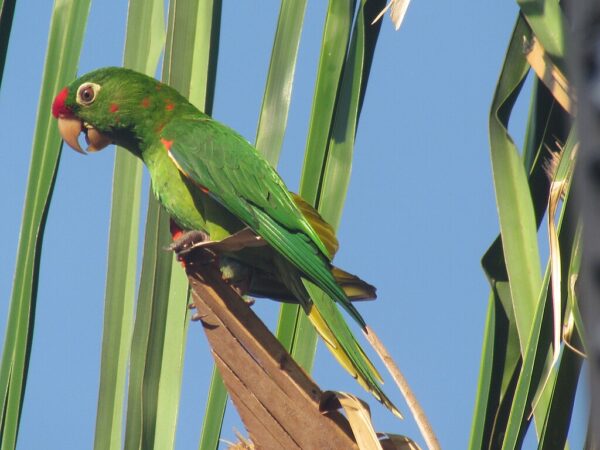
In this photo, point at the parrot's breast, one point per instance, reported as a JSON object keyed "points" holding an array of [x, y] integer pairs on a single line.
{"points": [[182, 201]]}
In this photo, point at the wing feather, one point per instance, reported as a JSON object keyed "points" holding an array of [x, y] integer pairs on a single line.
{"points": [[237, 176], [229, 166]]}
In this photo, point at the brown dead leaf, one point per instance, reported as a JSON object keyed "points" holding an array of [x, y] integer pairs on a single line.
{"points": [[398, 442], [358, 414], [397, 12]]}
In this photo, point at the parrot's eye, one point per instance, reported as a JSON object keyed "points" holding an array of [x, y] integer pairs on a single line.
{"points": [[86, 93]]}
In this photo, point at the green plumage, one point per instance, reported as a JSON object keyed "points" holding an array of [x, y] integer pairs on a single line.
{"points": [[208, 177], [235, 175]]}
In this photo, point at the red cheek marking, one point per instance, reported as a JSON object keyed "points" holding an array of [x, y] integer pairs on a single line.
{"points": [[113, 108], [169, 106], [145, 102], [166, 143], [58, 106]]}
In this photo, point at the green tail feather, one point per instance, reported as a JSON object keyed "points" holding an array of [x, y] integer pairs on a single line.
{"points": [[336, 333], [303, 254]]}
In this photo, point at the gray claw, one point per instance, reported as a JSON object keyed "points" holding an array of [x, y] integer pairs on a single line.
{"points": [[187, 242]]}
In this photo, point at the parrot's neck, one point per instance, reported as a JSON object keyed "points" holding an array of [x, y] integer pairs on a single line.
{"points": [[128, 141], [142, 118]]}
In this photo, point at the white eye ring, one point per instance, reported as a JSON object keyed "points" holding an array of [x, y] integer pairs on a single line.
{"points": [[86, 93]]}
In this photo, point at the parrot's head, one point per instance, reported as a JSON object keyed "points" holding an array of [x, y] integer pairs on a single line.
{"points": [[113, 105]]}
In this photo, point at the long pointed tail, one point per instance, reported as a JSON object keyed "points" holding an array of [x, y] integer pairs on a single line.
{"points": [[329, 322], [344, 347]]}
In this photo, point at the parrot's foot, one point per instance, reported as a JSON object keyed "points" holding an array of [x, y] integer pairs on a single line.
{"points": [[187, 242], [196, 316], [199, 239]]}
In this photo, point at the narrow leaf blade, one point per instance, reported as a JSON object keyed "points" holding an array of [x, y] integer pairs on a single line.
{"points": [[67, 26]]}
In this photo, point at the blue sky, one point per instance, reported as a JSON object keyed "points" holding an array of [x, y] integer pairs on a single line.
{"points": [[420, 210]]}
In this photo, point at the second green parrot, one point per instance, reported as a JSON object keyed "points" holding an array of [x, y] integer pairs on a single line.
{"points": [[214, 182]]}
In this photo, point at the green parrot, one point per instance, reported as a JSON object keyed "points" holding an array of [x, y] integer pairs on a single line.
{"points": [[227, 198]]}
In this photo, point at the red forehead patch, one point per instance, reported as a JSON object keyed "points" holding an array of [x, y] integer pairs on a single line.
{"points": [[58, 106]]}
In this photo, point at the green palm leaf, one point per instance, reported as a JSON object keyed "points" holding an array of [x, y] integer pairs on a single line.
{"points": [[141, 54], [67, 27]]}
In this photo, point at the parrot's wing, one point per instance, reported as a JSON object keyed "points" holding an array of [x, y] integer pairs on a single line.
{"points": [[227, 167]]}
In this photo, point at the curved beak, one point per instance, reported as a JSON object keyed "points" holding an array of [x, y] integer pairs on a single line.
{"points": [[70, 128], [96, 141]]}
